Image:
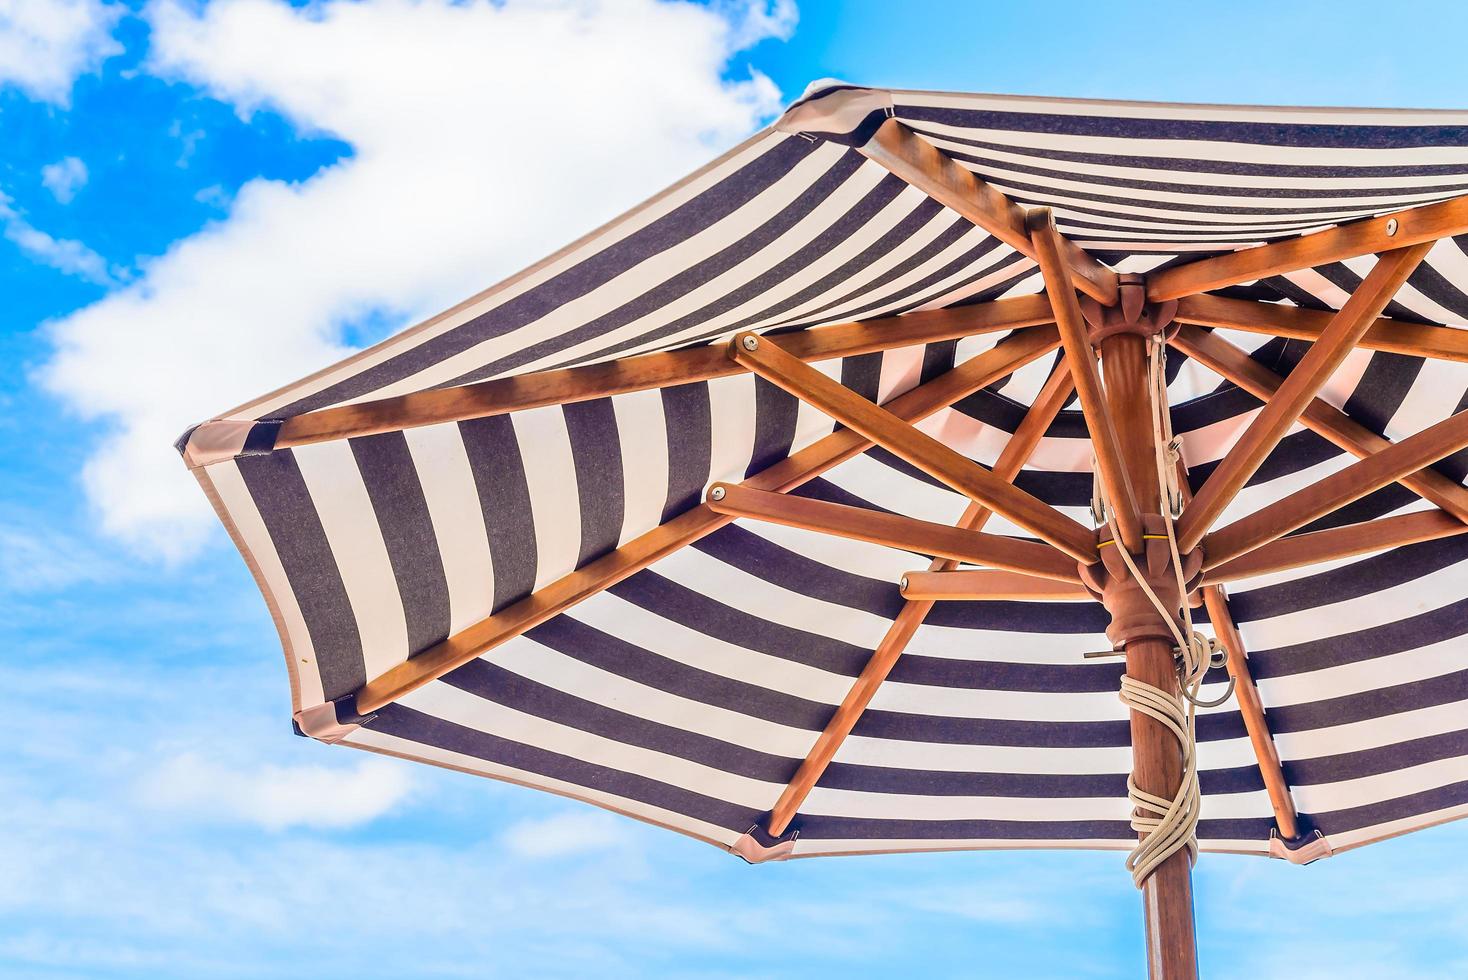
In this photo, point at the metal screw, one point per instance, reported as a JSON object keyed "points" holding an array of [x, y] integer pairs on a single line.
{"points": [[1391, 227], [717, 493], [751, 343], [903, 586]]}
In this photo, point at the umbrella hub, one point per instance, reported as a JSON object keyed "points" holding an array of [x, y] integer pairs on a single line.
{"points": [[1131, 313], [1134, 616]]}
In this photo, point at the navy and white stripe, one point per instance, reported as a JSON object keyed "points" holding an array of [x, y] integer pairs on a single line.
{"points": [[688, 694]]}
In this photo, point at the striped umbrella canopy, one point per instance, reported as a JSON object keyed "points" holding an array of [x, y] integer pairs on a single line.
{"points": [[669, 522]]}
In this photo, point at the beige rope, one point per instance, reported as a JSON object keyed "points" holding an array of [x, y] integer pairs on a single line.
{"points": [[1168, 826]]}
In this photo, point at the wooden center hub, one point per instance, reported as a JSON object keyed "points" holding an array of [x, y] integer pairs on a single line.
{"points": [[1133, 616]]}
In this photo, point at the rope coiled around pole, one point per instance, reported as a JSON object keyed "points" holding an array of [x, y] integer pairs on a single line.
{"points": [[1166, 825]]}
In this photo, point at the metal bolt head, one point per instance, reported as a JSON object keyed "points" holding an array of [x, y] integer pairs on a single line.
{"points": [[1391, 227], [903, 585], [717, 493], [750, 343]]}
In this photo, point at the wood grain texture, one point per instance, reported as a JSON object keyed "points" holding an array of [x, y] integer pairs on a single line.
{"points": [[1319, 416], [640, 372], [765, 357], [637, 554], [1021, 445], [939, 176], [1414, 226], [982, 584], [894, 531], [1296, 392], [1075, 338], [1297, 323], [1251, 709], [1157, 762], [1335, 491], [1333, 544]]}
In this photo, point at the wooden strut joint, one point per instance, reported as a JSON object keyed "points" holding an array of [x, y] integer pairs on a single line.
{"points": [[1075, 338], [1234, 365], [984, 584], [935, 173], [766, 358], [640, 372], [1413, 226], [1333, 544], [1296, 392], [895, 531], [1335, 491], [1012, 457], [1251, 709], [637, 554], [1298, 323]]}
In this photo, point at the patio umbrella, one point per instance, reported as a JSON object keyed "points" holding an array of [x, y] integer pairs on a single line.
{"points": [[670, 522]]}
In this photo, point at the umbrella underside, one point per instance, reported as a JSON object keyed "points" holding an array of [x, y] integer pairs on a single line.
{"points": [[695, 659]]}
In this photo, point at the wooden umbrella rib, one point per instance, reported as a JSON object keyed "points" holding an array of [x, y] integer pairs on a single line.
{"points": [[1296, 392], [640, 372], [989, 585], [1075, 338], [1319, 416], [895, 531], [1396, 231], [935, 173], [1298, 323], [1251, 709], [1333, 544], [765, 357], [1335, 491], [1246, 695], [600, 574], [1016, 452]]}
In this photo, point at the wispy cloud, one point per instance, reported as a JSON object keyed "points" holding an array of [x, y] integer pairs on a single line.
{"points": [[494, 134], [46, 44], [566, 834], [63, 254], [64, 178], [274, 796], [37, 557]]}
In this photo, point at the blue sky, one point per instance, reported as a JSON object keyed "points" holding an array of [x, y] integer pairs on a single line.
{"points": [[199, 201]]}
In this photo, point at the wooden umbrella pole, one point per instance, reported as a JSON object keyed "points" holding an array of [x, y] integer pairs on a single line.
{"points": [[1157, 763]]}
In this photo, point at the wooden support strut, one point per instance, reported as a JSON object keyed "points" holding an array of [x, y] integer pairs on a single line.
{"points": [[1334, 544], [1251, 709], [1337, 490], [637, 554], [1298, 323], [1016, 453], [1075, 338], [895, 531], [1246, 695], [938, 175], [983, 584], [1296, 392], [1396, 231], [1319, 416], [766, 358], [640, 372]]}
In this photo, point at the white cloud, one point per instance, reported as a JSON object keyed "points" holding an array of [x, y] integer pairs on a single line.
{"points": [[484, 135], [46, 44], [36, 558], [566, 834], [277, 797], [64, 254], [64, 178]]}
